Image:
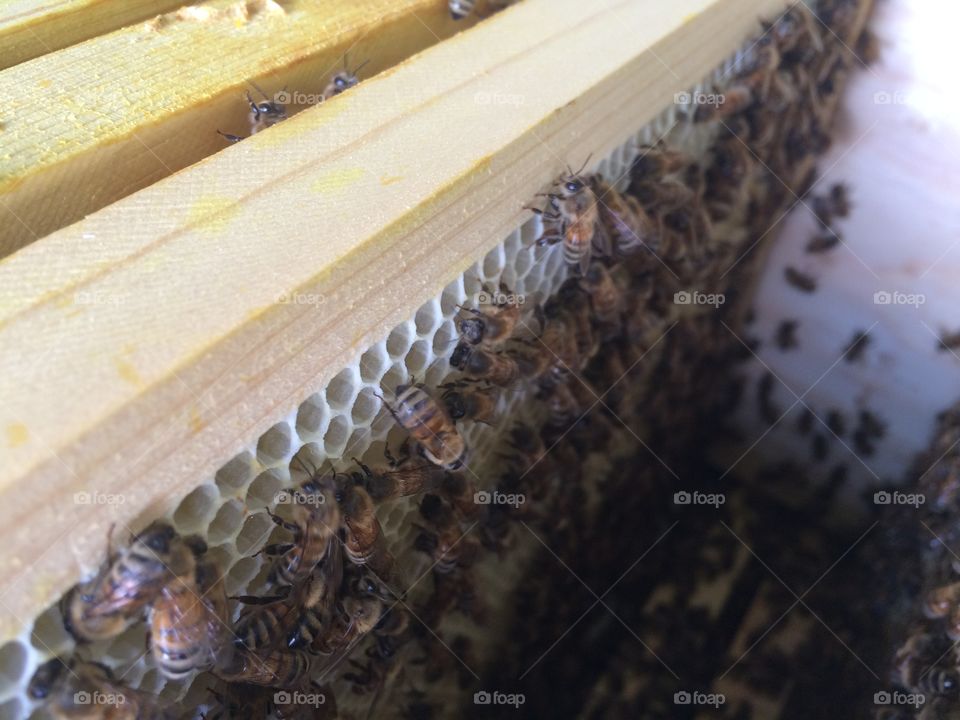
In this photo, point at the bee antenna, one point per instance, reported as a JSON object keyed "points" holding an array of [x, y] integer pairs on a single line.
{"points": [[258, 89], [361, 66], [584, 164]]}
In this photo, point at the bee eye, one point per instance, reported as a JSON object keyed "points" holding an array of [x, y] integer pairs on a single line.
{"points": [[340, 82], [573, 186]]}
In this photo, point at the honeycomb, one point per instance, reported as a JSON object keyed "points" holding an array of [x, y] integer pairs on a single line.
{"points": [[340, 421]]}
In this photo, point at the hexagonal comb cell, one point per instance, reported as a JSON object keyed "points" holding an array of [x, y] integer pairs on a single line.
{"points": [[312, 417], [13, 660], [274, 445], [253, 536], [227, 522], [263, 491], [235, 474], [342, 389], [195, 511]]}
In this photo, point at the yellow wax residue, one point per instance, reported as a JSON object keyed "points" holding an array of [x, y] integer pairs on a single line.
{"points": [[44, 84], [127, 371], [17, 434], [390, 179], [337, 180], [212, 213], [196, 422]]}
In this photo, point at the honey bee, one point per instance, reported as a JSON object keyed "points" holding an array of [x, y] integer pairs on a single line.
{"points": [[429, 423], [460, 490], [360, 611], [400, 479], [801, 281], [491, 327], [109, 603], [558, 344], [263, 115], [189, 622], [364, 542], [835, 422], [948, 341], [315, 521], [736, 99], [269, 621], [916, 664], [942, 600], [564, 407], [868, 47], [820, 447], [823, 242], [574, 219], [459, 9], [857, 346], [317, 601], [665, 196], [281, 668], [836, 203], [625, 224], [787, 334], [606, 296], [81, 690], [496, 368], [768, 411], [466, 403], [655, 161], [343, 80], [448, 546]]}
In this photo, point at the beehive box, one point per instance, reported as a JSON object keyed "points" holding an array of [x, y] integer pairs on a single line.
{"points": [[252, 308]]}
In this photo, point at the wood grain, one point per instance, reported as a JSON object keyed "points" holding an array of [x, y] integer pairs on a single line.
{"points": [[95, 122], [31, 28], [143, 347]]}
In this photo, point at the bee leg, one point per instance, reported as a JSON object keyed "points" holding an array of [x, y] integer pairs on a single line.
{"points": [[366, 470], [392, 461], [403, 451], [295, 529], [230, 138], [277, 549]]}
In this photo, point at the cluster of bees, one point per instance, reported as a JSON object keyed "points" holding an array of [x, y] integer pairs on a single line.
{"points": [[333, 612], [268, 112], [926, 626]]}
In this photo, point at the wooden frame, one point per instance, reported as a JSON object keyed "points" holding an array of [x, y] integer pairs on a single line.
{"points": [[146, 345], [95, 122]]}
